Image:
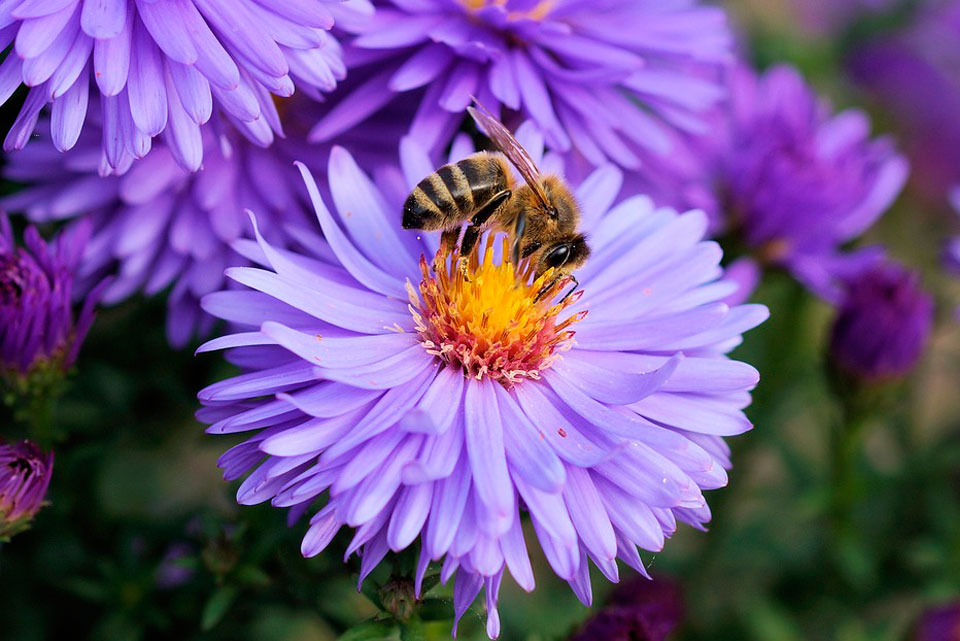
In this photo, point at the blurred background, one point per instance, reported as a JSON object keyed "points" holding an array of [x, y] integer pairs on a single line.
{"points": [[143, 540]]}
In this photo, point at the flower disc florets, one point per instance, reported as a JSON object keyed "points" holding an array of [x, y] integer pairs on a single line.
{"points": [[488, 319]]}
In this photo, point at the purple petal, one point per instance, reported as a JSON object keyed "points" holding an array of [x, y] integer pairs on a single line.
{"points": [[437, 410], [103, 19], [146, 87], [530, 455], [612, 386], [486, 451]]}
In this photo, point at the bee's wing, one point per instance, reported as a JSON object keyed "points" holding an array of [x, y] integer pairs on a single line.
{"points": [[506, 143]]}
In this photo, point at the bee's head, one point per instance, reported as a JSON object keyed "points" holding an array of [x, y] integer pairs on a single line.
{"points": [[564, 256], [562, 206]]}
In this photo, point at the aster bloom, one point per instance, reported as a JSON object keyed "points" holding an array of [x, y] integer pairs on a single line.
{"points": [[612, 80], [799, 181], [159, 225], [24, 476], [913, 74], [38, 330], [883, 324], [422, 396], [161, 67]]}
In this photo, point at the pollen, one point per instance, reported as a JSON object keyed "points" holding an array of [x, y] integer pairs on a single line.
{"points": [[490, 318], [537, 12]]}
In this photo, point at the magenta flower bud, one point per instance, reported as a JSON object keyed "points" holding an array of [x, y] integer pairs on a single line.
{"points": [[883, 324], [38, 329], [24, 476], [639, 610]]}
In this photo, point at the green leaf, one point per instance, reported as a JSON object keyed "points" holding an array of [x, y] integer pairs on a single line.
{"points": [[252, 575], [217, 606], [370, 631], [436, 610], [429, 582], [372, 592], [412, 631]]}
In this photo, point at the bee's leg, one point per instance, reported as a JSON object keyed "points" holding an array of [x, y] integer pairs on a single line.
{"points": [[517, 235], [576, 286], [472, 234], [448, 242], [546, 288], [449, 238]]}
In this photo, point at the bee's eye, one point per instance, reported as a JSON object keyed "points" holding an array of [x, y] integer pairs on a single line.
{"points": [[553, 213], [557, 256]]}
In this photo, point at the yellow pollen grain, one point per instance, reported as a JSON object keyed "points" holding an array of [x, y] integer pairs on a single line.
{"points": [[491, 304], [491, 319]]}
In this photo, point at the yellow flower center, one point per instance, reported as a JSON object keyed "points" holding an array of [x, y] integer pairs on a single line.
{"points": [[490, 318], [538, 12]]}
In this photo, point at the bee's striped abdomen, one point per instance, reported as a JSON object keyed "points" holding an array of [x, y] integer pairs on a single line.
{"points": [[452, 194]]}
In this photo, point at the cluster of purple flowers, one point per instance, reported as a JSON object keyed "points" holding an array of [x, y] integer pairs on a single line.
{"points": [[388, 386], [162, 67]]}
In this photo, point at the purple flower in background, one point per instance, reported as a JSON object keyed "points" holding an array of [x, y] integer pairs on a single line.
{"points": [[38, 329], [827, 17], [371, 382], [638, 610], [612, 80], [158, 225], [938, 624], [915, 75], [951, 250], [799, 181], [160, 67], [24, 476], [883, 324]]}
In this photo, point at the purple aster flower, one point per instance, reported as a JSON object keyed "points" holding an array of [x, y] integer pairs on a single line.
{"points": [[883, 324], [159, 225], [938, 624], [160, 67], [24, 476], [915, 75], [799, 181], [38, 329], [638, 610], [444, 403], [612, 80]]}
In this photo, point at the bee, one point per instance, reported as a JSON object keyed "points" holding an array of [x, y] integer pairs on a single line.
{"points": [[542, 213]]}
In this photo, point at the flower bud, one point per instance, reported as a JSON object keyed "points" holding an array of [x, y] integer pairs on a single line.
{"points": [[39, 334], [882, 326], [24, 476], [639, 610]]}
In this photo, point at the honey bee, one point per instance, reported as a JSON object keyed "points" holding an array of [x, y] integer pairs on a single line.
{"points": [[542, 213]]}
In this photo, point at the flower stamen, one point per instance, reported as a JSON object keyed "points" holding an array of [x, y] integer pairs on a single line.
{"points": [[492, 318]]}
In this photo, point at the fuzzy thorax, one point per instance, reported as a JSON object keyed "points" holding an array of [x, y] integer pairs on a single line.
{"points": [[489, 320]]}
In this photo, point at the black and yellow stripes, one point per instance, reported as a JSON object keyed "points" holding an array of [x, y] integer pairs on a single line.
{"points": [[453, 193]]}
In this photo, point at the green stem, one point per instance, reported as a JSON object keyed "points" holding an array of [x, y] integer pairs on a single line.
{"points": [[845, 445]]}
